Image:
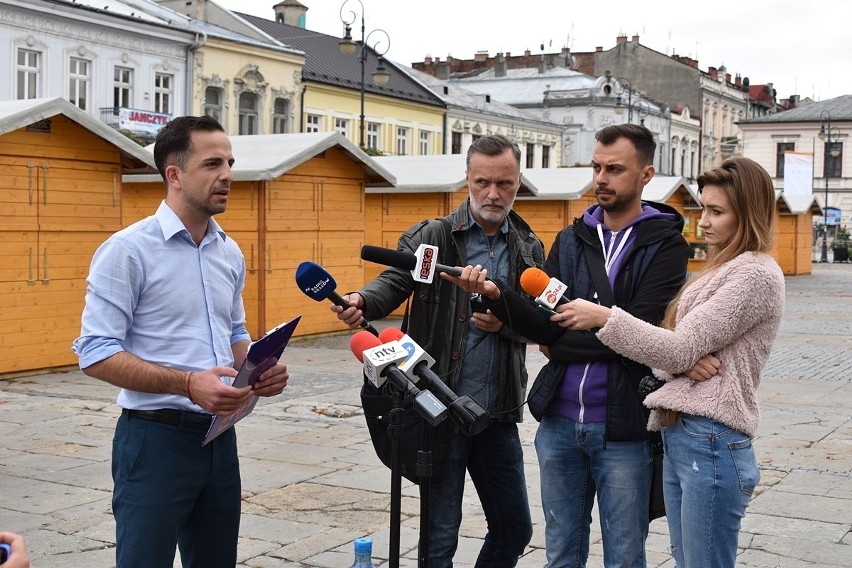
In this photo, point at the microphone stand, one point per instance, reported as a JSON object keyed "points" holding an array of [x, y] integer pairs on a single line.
{"points": [[470, 418], [395, 428], [424, 472]]}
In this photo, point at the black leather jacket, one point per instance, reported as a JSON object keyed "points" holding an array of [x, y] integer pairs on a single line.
{"points": [[439, 311]]}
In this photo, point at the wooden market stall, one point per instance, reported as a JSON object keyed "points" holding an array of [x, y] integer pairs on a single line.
{"points": [[60, 198], [295, 198], [794, 233]]}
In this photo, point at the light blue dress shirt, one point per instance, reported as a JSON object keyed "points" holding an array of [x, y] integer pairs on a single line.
{"points": [[153, 293]]}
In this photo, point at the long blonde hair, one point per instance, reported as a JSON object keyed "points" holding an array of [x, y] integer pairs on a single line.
{"points": [[752, 197]]}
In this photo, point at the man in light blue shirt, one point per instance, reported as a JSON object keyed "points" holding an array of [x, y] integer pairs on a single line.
{"points": [[164, 321]]}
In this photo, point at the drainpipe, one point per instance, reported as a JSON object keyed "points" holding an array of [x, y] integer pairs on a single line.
{"points": [[190, 68], [444, 149], [302, 107]]}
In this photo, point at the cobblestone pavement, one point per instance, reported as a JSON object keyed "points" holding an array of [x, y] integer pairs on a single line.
{"points": [[312, 483]]}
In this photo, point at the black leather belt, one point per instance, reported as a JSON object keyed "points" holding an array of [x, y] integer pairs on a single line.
{"points": [[172, 417]]}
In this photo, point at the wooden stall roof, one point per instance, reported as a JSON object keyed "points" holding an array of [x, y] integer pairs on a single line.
{"points": [[558, 183], [442, 173], [20, 113], [269, 156], [661, 188], [798, 204], [791, 204]]}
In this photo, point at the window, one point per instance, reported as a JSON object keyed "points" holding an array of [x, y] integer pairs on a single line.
{"points": [[213, 103], [401, 141], [28, 74], [248, 113], [78, 82], [782, 147], [342, 125], [424, 143], [373, 135], [281, 116], [530, 155], [163, 93], [312, 123], [456, 143], [832, 166], [545, 156], [122, 85]]}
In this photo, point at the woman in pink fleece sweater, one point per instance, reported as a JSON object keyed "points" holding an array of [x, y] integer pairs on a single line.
{"points": [[710, 350]]}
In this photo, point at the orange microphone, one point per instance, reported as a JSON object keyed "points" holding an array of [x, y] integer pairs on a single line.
{"points": [[391, 334], [548, 292], [362, 341], [534, 281]]}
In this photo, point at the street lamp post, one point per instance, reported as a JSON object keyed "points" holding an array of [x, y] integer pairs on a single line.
{"points": [[831, 136], [643, 109], [618, 105], [348, 47]]}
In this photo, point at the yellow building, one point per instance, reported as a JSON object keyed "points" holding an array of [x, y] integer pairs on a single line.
{"points": [[399, 116], [250, 87]]}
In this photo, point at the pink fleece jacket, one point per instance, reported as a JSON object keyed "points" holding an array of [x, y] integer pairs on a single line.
{"points": [[733, 312]]}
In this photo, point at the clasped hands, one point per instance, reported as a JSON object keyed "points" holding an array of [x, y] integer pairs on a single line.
{"points": [[210, 393]]}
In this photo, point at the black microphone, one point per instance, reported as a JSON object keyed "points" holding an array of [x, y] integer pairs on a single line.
{"points": [[318, 284], [380, 364], [466, 412], [403, 260]]}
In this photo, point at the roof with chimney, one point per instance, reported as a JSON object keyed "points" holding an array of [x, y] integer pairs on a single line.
{"points": [[527, 86], [326, 64], [456, 96], [838, 108], [151, 13]]}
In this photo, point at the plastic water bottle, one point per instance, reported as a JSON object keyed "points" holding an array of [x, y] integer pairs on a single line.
{"points": [[363, 553]]}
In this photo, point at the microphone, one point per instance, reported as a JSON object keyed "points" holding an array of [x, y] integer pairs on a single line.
{"points": [[466, 412], [380, 363], [422, 264], [318, 285], [548, 292]]}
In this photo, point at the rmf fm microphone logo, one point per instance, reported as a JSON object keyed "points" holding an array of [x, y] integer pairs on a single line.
{"points": [[554, 293], [316, 288]]}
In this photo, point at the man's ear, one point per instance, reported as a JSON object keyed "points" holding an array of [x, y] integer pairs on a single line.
{"points": [[647, 173], [173, 175]]}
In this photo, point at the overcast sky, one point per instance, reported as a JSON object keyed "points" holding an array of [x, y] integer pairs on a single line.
{"points": [[803, 48]]}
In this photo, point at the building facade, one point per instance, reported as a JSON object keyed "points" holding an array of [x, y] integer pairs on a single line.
{"points": [[471, 115], [820, 131], [401, 117], [135, 64], [129, 69], [581, 104]]}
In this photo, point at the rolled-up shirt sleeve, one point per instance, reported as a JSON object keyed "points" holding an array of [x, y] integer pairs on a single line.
{"points": [[111, 289]]}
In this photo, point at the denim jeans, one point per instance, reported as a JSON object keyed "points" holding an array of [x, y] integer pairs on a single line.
{"points": [[575, 464], [170, 492], [709, 474], [495, 462]]}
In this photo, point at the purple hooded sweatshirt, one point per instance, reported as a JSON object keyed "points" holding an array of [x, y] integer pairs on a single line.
{"points": [[583, 393]]}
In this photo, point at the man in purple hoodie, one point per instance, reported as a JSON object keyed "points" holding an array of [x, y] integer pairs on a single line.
{"points": [[592, 439]]}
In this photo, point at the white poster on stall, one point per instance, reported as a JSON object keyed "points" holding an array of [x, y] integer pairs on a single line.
{"points": [[798, 173]]}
